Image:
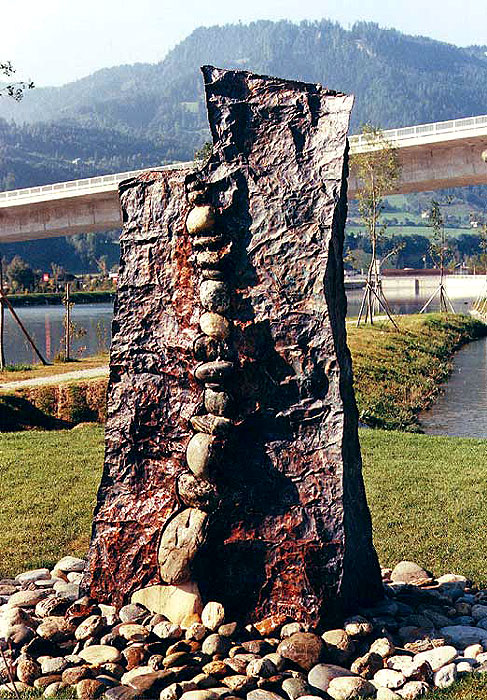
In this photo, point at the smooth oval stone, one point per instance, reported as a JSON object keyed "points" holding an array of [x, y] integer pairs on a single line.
{"points": [[213, 425], [321, 675], [214, 296], [68, 564], [347, 688], [207, 349], [208, 242], [200, 219], [260, 694], [197, 493], [215, 325], [26, 599], [213, 615], [201, 454], [133, 631], [180, 541], [212, 259], [214, 372], [303, 648], [215, 644], [89, 627], [219, 403], [97, 654]]}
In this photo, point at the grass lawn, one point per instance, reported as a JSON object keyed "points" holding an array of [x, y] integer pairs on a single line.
{"points": [[426, 495], [48, 482]]}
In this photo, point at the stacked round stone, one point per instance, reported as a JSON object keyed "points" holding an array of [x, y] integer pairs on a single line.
{"points": [[185, 533]]}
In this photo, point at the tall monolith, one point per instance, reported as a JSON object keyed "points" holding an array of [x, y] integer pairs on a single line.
{"points": [[232, 467]]}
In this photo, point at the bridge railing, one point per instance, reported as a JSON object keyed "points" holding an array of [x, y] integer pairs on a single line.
{"points": [[424, 130], [97, 182]]}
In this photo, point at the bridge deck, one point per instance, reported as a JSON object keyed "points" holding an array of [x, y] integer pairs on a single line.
{"points": [[432, 156]]}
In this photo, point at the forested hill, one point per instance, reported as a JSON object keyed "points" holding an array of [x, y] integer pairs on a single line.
{"points": [[141, 115]]}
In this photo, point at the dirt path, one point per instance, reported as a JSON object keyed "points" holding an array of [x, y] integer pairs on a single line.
{"points": [[56, 378]]}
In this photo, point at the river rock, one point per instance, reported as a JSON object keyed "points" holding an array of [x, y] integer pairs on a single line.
{"points": [[438, 657], [215, 325], [213, 615], [219, 403], [177, 603], [89, 627], [321, 675], [346, 688], [100, 654], [446, 676], [303, 648], [89, 688], [295, 688], [34, 575], [28, 670], [54, 604], [202, 453], [68, 564], [408, 572], [387, 678], [339, 646], [413, 690], [26, 599], [214, 296], [462, 636], [215, 644], [200, 219], [181, 539]]}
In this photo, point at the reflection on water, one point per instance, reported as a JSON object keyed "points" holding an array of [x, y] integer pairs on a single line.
{"points": [[45, 325], [404, 304], [462, 408]]}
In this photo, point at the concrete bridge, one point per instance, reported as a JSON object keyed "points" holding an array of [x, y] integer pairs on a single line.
{"points": [[432, 156]]}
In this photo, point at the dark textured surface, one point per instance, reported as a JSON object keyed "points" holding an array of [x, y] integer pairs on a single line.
{"points": [[292, 532]]}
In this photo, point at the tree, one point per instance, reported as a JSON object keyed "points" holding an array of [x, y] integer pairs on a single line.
{"points": [[440, 252], [20, 275], [376, 167], [16, 88]]}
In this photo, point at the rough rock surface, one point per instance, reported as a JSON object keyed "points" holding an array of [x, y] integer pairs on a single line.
{"points": [[291, 533]]}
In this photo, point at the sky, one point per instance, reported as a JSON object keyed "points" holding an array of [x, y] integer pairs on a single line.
{"points": [[54, 42]]}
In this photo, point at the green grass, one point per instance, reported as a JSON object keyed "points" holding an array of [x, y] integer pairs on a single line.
{"points": [[399, 374], [48, 482], [426, 496]]}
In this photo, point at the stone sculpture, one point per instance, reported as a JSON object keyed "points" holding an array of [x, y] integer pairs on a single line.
{"points": [[232, 468]]}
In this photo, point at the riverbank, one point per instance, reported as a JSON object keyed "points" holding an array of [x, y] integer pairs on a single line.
{"points": [[399, 374], [412, 482], [396, 376], [56, 298]]}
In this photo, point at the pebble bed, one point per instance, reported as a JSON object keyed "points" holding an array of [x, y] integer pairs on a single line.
{"points": [[424, 634]]}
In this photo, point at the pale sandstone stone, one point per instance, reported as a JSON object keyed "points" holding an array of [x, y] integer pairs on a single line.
{"points": [[175, 602]]}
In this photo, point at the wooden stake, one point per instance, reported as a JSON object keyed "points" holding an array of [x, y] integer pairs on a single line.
{"points": [[2, 319], [24, 331], [67, 322]]}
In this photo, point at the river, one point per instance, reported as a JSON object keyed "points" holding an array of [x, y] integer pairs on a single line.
{"points": [[45, 324], [461, 410]]}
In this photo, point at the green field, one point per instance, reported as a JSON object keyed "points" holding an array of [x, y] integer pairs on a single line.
{"points": [[426, 495]]}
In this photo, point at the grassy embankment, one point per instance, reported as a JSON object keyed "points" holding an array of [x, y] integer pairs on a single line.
{"points": [[56, 298], [397, 375]]}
